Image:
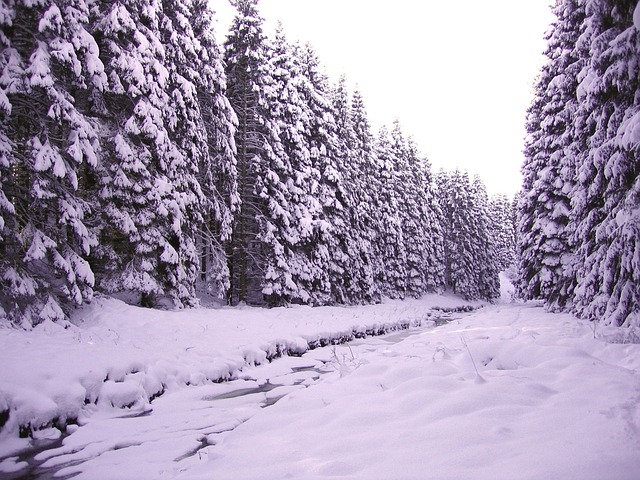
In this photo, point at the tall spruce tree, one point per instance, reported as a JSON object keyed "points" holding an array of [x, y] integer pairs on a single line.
{"points": [[353, 276], [470, 261], [49, 147], [430, 252], [217, 169], [290, 112], [586, 145], [149, 192], [332, 232], [454, 197], [484, 243], [363, 182], [546, 249], [188, 205], [260, 255], [500, 216], [606, 199], [409, 210], [391, 273]]}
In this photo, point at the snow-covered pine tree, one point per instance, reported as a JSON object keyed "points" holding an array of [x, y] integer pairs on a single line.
{"points": [[217, 170], [408, 195], [50, 66], [363, 183], [187, 205], [339, 97], [143, 202], [259, 250], [421, 232], [351, 154], [291, 115], [502, 231], [201, 125], [546, 255], [460, 247], [430, 254], [450, 205], [607, 199], [391, 273], [484, 245], [332, 232], [514, 217]]}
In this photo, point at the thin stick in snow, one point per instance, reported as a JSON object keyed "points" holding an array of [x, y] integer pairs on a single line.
{"points": [[479, 378]]}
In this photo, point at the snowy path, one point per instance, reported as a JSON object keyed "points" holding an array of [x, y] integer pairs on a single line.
{"points": [[506, 392]]}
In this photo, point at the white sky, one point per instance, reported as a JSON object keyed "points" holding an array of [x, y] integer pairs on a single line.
{"points": [[457, 74]]}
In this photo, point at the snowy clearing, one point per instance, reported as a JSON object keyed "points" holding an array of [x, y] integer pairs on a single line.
{"points": [[507, 391]]}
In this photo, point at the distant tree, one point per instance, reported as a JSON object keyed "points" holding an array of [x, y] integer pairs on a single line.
{"points": [[514, 216], [455, 200], [484, 243], [502, 231], [471, 266]]}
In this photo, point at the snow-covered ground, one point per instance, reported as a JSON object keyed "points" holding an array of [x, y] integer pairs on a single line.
{"points": [[507, 391]]}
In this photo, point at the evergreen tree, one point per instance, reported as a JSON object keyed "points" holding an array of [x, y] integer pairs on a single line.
{"points": [[260, 254], [217, 169], [201, 125], [484, 243], [354, 276], [332, 232], [363, 183], [188, 206], [454, 194], [546, 250], [49, 156], [149, 195], [391, 273], [502, 231], [585, 143], [431, 231], [290, 112], [514, 217], [470, 260], [419, 222], [607, 197]]}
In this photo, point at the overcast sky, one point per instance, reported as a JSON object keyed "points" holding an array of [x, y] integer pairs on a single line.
{"points": [[458, 75]]}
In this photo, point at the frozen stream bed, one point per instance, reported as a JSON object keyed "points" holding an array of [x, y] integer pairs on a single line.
{"points": [[508, 391], [165, 437]]}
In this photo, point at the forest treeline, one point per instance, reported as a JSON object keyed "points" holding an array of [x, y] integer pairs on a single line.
{"points": [[139, 156], [579, 244]]}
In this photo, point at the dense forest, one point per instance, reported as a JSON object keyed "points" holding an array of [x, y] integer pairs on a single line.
{"points": [[139, 156], [580, 212]]}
